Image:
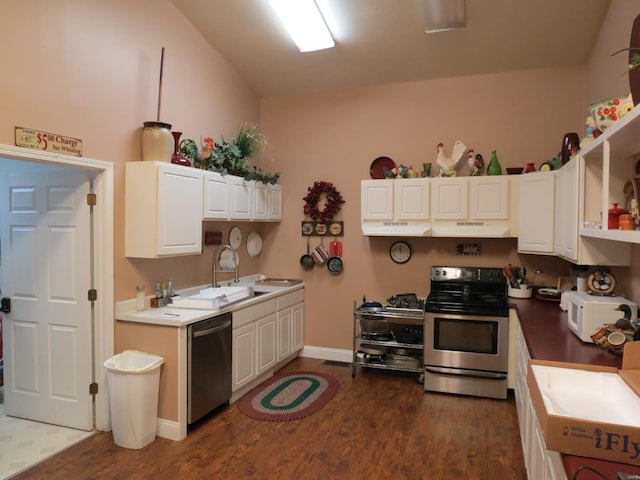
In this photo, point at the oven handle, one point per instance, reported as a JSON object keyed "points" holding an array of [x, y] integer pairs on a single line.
{"points": [[467, 373]]}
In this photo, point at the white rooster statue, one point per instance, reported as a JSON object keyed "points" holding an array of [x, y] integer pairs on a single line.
{"points": [[449, 165]]}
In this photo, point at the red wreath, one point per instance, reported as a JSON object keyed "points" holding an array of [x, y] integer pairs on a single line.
{"points": [[332, 206]]}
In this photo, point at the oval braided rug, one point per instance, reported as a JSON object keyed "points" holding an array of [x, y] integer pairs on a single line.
{"points": [[289, 396]]}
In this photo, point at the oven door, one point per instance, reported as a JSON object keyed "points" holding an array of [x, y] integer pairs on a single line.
{"points": [[466, 354], [467, 342]]}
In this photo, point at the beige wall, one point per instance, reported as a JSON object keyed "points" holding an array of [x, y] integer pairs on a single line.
{"points": [[90, 70], [335, 137]]}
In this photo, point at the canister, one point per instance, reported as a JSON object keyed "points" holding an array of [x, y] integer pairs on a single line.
{"points": [[157, 142]]}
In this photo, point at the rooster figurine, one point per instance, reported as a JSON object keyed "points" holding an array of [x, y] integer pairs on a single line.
{"points": [[448, 165]]}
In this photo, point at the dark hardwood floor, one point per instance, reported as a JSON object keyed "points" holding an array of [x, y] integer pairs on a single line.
{"points": [[378, 426]]}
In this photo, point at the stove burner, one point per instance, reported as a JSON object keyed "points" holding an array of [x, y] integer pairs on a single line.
{"points": [[468, 290]]}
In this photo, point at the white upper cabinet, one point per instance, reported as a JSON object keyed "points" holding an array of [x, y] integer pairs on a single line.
{"points": [[489, 197], [228, 197], [216, 196], [536, 216], [275, 203], [450, 198], [395, 207], [241, 198], [260, 209], [470, 206], [566, 210], [163, 213]]}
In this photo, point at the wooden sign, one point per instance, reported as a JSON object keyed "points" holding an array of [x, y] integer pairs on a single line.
{"points": [[48, 142]]}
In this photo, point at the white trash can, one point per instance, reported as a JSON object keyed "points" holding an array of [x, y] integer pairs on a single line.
{"points": [[133, 380]]}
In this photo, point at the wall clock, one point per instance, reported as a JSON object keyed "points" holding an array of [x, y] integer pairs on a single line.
{"points": [[400, 252]]}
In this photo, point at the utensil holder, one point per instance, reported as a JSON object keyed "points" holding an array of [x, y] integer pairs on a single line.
{"points": [[523, 292]]}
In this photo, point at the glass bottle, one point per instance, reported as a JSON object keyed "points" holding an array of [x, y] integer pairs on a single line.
{"points": [[140, 300], [494, 167]]}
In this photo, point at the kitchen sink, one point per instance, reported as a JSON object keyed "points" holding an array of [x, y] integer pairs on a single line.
{"points": [[214, 298], [279, 282]]}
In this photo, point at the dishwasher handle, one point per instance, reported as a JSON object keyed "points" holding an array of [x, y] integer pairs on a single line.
{"points": [[209, 331]]}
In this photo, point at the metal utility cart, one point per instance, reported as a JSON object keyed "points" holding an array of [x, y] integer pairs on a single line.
{"points": [[388, 338]]}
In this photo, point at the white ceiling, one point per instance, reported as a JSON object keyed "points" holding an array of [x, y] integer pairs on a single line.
{"points": [[383, 41]]}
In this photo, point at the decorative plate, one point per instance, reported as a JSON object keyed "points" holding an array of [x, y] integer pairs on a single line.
{"points": [[235, 238], [601, 283], [227, 260], [379, 165], [254, 244]]}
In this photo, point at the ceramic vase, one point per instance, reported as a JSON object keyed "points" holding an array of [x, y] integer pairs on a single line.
{"points": [[157, 143], [177, 157], [531, 167]]}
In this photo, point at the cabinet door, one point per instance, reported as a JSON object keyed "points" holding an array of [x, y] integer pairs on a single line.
{"points": [[260, 201], [489, 197], [275, 202], [411, 199], [267, 343], [376, 200], [179, 210], [240, 201], [216, 196], [449, 198], [536, 225], [297, 317], [244, 356], [566, 211], [285, 331]]}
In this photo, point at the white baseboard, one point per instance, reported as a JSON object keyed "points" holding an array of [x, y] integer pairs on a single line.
{"points": [[323, 353], [169, 429]]}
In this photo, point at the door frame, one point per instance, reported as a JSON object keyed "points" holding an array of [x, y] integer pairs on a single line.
{"points": [[103, 260]]}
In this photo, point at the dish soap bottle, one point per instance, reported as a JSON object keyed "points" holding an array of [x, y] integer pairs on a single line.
{"points": [[494, 167]]}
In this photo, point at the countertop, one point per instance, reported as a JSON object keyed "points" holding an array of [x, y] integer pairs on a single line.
{"points": [[181, 317], [548, 337]]}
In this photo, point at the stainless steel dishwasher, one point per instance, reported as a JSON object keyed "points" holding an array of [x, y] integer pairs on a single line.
{"points": [[208, 365]]}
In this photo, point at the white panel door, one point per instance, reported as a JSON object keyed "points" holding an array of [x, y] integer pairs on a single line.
{"points": [[489, 197], [376, 200], [411, 199], [260, 209], [449, 197], [46, 271]]}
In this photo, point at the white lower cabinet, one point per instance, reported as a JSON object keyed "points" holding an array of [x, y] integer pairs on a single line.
{"points": [[267, 343], [541, 464], [244, 355], [290, 324], [265, 336]]}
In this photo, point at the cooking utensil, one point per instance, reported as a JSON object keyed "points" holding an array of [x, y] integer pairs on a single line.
{"points": [[506, 271], [335, 263], [306, 261]]}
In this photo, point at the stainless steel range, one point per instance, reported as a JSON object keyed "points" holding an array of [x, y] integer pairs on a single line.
{"points": [[466, 332]]}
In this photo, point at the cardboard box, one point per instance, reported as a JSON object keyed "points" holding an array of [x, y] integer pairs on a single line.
{"points": [[589, 410]]}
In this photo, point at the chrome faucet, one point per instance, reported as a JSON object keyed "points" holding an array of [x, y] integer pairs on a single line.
{"points": [[216, 258]]}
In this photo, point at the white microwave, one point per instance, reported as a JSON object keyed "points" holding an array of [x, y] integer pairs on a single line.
{"points": [[587, 313]]}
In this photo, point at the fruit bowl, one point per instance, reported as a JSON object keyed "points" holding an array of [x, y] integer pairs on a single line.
{"points": [[514, 170]]}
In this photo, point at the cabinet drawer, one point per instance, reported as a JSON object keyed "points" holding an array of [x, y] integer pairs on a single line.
{"points": [[290, 299], [254, 312]]}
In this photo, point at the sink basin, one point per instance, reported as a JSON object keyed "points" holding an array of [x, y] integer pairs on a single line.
{"points": [[214, 298], [279, 282]]}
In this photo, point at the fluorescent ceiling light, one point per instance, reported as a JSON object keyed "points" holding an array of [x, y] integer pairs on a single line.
{"points": [[305, 24], [441, 15]]}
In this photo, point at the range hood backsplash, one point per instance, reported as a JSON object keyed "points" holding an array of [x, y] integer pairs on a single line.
{"points": [[395, 229]]}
